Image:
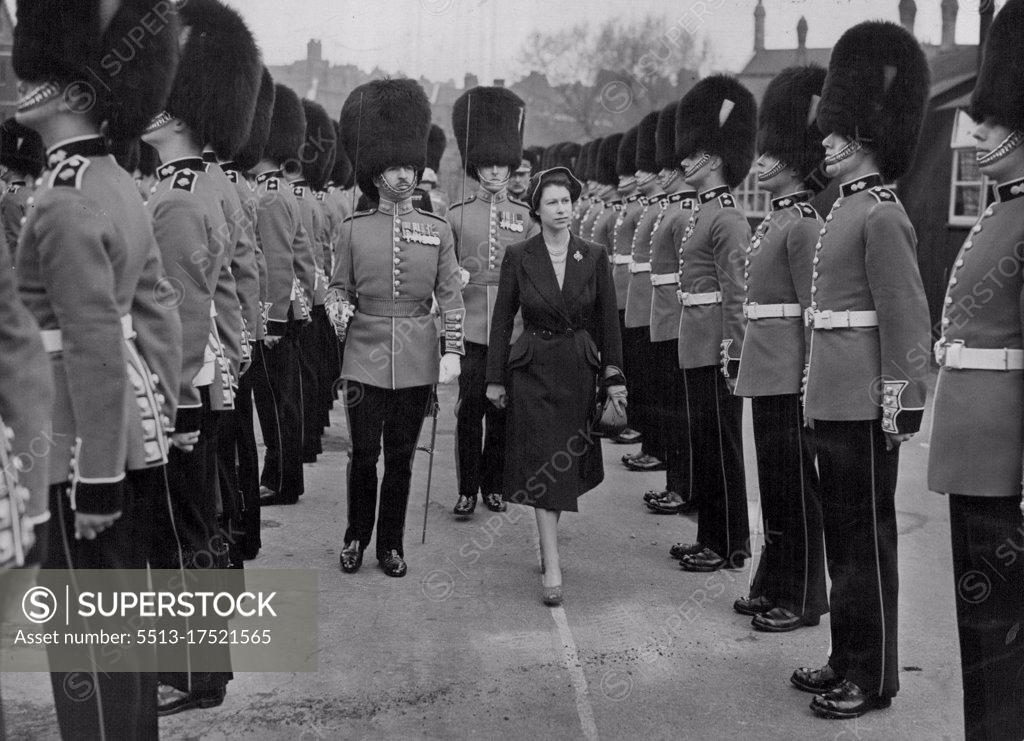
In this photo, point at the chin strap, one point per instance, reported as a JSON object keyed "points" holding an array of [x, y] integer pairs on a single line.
{"points": [[1007, 145]]}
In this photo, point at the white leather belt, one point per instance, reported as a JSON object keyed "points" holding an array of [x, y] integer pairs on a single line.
{"points": [[957, 357], [772, 311], [622, 259], [639, 267], [664, 279], [699, 299], [842, 319], [53, 340]]}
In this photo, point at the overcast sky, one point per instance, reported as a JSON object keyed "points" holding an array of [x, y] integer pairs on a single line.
{"points": [[444, 39]]}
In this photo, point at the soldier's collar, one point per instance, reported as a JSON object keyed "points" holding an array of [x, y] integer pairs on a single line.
{"points": [[1009, 190], [681, 195], [487, 197], [801, 196], [265, 176], [86, 146], [395, 209], [299, 182], [230, 165], [860, 184], [633, 198], [19, 183], [713, 193], [184, 163], [209, 156], [657, 198]]}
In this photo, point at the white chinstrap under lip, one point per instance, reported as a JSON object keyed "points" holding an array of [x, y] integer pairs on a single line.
{"points": [[38, 95], [1013, 140]]}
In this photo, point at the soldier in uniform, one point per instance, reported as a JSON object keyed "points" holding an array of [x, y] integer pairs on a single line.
{"points": [[864, 391], [21, 156], [436, 143], [582, 206], [96, 305], [976, 443], [715, 136], [391, 261], [339, 199], [490, 120], [594, 188], [789, 588], [611, 205], [520, 179]]}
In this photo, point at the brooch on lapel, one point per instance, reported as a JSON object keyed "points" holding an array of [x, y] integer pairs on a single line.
{"points": [[577, 256]]}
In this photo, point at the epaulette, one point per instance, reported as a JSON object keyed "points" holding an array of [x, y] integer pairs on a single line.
{"points": [[357, 214], [431, 215], [70, 172], [185, 180], [232, 176], [14, 188], [462, 203], [299, 191], [727, 201], [807, 210], [884, 195], [516, 201]]}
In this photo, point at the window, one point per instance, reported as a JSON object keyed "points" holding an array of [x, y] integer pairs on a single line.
{"points": [[754, 201], [968, 190]]}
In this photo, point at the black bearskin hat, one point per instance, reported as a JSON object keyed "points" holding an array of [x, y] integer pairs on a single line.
{"points": [[607, 156], [787, 127], [341, 173], [218, 80], [287, 127], [488, 127], [126, 153], [719, 117], [999, 92], [249, 155], [876, 91], [592, 158], [318, 151], [436, 143], [625, 161], [89, 48], [665, 139], [21, 148], [385, 124], [646, 148]]}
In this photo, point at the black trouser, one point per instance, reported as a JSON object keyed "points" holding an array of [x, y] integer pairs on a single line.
{"points": [[396, 416], [791, 572], [858, 489], [279, 405], [481, 458], [92, 704], [309, 380], [987, 534], [239, 466], [670, 419], [716, 430], [328, 367], [630, 369], [644, 394]]}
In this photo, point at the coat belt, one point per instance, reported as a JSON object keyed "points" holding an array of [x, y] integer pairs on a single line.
{"points": [[664, 279], [53, 340], [757, 311], [955, 356], [399, 307], [639, 267], [699, 299], [622, 259], [840, 319]]}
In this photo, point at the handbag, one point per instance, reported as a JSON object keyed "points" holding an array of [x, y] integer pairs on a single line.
{"points": [[609, 421]]}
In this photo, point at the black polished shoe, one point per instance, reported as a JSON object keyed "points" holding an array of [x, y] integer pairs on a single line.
{"points": [[781, 620], [706, 560], [817, 681], [630, 456], [494, 502], [171, 700], [645, 462], [269, 497], [653, 494], [752, 606], [465, 506], [394, 565], [681, 550], [847, 700], [351, 557], [670, 504], [628, 437]]}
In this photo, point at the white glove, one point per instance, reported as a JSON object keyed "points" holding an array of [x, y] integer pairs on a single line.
{"points": [[463, 277], [340, 313], [451, 366]]}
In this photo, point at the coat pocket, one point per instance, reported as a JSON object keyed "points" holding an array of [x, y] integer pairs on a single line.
{"points": [[521, 352], [590, 352]]}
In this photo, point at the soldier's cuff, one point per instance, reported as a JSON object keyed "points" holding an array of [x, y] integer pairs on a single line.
{"points": [[730, 365], [454, 339], [91, 498], [896, 418], [188, 419]]}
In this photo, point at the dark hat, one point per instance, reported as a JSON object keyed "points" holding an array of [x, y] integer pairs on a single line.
{"points": [[583, 161], [665, 139], [487, 123], [436, 143], [149, 159], [126, 153], [94, 50], [218, 80], [876, 91], [607, 157], [287, 127], [787, 127], [999, 92], [536, 187], [719, 117], [21, 148], [646, 147], [341, 173], [318, 151], [534, 154], [385, 124], [625, 160], [252, 151], [592, 159], [569, 156]]}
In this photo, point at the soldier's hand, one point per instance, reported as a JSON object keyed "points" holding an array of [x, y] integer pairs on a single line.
{"points": [[496, 395], [185, 441], [463, 277], [245, 365], [87, 527], [270, 340], [451, 366], [731, 384], [893, 440]]}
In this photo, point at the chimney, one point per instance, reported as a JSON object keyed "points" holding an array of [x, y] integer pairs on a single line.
{"points": [[469, 81], [801, 35], [908, 12], [759, 27], [949, 11], [314, 51], [499, 82]]}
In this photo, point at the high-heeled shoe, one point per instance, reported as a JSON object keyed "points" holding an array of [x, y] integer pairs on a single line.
{"points": [[551, 596]]}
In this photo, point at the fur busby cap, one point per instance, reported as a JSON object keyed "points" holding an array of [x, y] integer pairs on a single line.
{"points": [[385, 124], [665, 139], [593, 158], [787, 127], [646, 147], [582, 169], [999, 92], [89, 48], [249, 155], [607, 157], [719, 117], [625, 160], [535, 155], [875, 91], [287, 127], [436, 143], [488, 126], [342, 170], [318, 151], [219, 76], [21, 148]]}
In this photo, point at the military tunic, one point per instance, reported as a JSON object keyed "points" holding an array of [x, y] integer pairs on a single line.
{"points": [[601, 232]]}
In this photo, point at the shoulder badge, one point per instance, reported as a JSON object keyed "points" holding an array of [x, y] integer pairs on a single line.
{"points": [[522, 204], [273, 184], [807, 210], [727, 200], [70, 172], [462, 203], [884, 195], [357, 214], [14, 188], [299, 191], [431, 215], [185, 180], [321, 196], [232, 176]]}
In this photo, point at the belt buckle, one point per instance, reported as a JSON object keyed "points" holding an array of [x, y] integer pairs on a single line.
{"points": [[940, 352], [823, 319], [750, 310], [683, 297], [954, 355]]}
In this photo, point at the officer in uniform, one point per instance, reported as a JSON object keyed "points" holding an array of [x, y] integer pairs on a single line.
{"points": [[977, 441], [594, 188], [391, 261], [520, 179], [864, 391], [21, 156], [582, 206], [490, 120], [611, 205], [715, 136], [97, 308], [436, 143], [286, 246], [789, 588]]}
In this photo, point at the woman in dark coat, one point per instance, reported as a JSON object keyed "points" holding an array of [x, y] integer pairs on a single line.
{"points": [[549, 377]]}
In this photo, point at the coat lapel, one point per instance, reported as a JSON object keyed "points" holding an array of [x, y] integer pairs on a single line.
{"points": [[576, 271], [542, 274]]}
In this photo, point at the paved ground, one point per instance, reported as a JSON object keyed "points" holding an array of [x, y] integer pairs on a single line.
{"points": [[463, 648]]}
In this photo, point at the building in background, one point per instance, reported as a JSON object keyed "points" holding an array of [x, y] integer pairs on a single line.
{"points": [[8, 82]]}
